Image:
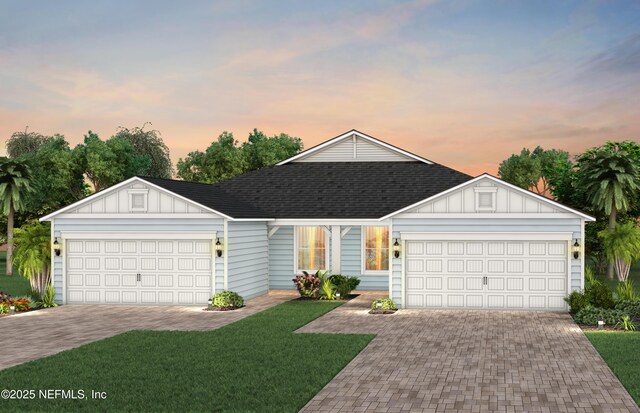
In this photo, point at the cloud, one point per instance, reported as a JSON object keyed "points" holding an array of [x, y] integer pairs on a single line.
{"points": [[621, 59]]}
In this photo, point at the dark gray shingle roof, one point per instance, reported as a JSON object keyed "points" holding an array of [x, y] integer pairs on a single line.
{"points": [[321, 189]]}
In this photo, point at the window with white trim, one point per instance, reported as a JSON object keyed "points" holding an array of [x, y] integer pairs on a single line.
{"points": [[138, 200], [375, 241], [485, 199], [312, 244]]}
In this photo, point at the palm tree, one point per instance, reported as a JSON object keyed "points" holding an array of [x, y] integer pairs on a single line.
{"points": [[15, 179], [610, 175], [33, 254], [622, 247]]}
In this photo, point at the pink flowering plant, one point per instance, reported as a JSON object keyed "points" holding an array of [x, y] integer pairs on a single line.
{"points": [[308, 285]]}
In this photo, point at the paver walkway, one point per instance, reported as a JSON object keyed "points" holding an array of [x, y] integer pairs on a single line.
{"points": [[467, 361], [46, 332]]}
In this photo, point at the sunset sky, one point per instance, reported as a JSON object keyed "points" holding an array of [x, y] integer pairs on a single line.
{"points": [[464, 83]]}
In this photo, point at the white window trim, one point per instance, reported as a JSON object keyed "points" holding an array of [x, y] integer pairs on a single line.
{"points": [[133, 192], [327, 249], [363, 253], [485, 190]]}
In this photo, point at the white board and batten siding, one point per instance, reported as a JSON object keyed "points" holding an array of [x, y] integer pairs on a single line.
{"points": [[117, 202], [354, 149]]}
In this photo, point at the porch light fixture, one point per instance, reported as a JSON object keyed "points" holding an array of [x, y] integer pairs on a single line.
{"points": [[56, 247], [396, 249], [576, 249], [218, 247]]}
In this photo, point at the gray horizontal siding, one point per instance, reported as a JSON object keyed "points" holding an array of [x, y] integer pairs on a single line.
{"points": [[281, 259], [248, 258], [430, 225], [351, 262], [188, 225]]}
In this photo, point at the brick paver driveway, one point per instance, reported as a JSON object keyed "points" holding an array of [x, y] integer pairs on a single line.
{"points": [[468, 361], [50, 331]]}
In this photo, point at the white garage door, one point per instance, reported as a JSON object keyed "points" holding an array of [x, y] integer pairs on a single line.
{"points": [[486, 274], [138, 271]]}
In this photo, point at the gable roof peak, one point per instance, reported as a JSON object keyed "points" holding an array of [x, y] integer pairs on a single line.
{"points": [[353, 133]]}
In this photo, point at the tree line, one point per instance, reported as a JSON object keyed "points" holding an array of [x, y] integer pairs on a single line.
{"points": [[603, 181], [41, 174]]}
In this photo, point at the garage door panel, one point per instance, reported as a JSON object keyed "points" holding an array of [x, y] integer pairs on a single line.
{"points": [[139, 271], [455, 283], [487, 274]]}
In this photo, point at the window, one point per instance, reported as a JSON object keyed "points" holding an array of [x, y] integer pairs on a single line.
{"points": [[485, 199], [312, 251], [138, 200], [376, 249]]}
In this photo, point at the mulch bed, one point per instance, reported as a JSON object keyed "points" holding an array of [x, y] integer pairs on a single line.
{"points": [[221, 308], [348, 298], [382, 311], [605, 328]]}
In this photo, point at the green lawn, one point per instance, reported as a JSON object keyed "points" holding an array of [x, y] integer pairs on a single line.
{"points": [[257, 363], [620, 351], [15, 285]]}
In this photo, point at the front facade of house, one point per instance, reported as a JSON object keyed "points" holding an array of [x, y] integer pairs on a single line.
{"points": [[462, 242]]}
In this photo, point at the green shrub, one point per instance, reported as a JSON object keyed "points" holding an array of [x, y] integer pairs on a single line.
{"points": [[631, 307], [589, 276], [225, 299], [48, 298], [344, 285], [626, 291], [387, 304], [4, 307], [626, 324], [577, 300], [327, 290], [591, 315], [599, 295]]}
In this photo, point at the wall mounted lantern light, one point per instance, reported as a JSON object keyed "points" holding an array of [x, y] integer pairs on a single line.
{"points": [[218, 247], [576, 249], [396, 249], [56, 247]]}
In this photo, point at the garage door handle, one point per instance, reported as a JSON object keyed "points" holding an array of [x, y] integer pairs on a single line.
{"points": [[484, 280], [138, 277]]}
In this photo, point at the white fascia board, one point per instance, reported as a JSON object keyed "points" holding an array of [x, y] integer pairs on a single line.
{"points": [[137, 235], [315, 222], [487, 236], [120, 185], [486, 215], [500, 181], [346, 135], [138, 216]]}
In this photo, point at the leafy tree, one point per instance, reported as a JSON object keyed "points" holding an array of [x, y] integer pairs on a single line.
{"points": [[221, 160], [149, 143], [15, 183], [57, 179], [610, 177], [106, 163], [622, 247], [22, 143], [260, 151], [538, 170], [224, 159], [610, 174], [33, 254]]}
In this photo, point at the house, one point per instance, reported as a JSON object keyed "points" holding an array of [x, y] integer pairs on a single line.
{"points": [[430, 235]]}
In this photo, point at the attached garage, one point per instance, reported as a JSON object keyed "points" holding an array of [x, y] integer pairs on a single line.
{"points": [[138, 271], [468, 271]]}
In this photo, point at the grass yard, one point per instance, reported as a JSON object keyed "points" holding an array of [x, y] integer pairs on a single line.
{"points": [[257, 363], [620, 351], [15, 285]]}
